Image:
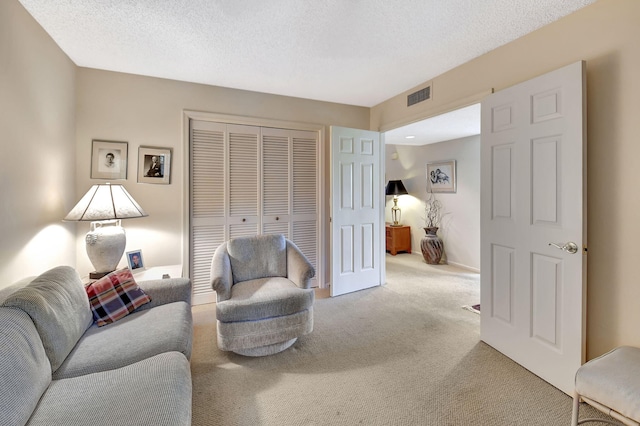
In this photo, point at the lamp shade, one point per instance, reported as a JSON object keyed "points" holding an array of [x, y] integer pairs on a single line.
{"points": [[104, 202], [395, 187]]}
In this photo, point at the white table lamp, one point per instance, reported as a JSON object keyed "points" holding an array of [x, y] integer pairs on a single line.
{"points": [[104, 205]]}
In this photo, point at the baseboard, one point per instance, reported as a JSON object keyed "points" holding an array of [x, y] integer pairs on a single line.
{"points": [[202, 299], [460, 265]]}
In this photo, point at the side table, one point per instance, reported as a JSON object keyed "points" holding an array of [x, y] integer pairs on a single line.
{"points": [[152, 273], [158, 272], [398, 239]]}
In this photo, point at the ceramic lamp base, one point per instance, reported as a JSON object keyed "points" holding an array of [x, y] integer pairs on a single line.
{"points": [[105, 245]]}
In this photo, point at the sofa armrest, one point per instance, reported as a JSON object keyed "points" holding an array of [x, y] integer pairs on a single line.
{"points": [[164, 291], [221, 274], [299, 269]]}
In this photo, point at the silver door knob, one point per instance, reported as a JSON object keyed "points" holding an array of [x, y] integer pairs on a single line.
{"points": [[569, 247]]}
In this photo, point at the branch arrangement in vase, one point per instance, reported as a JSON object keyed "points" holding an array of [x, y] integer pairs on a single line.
{"points": [[433, 211]]}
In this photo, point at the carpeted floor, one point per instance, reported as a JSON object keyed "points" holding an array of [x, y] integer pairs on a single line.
{"points": [[401, 354]]}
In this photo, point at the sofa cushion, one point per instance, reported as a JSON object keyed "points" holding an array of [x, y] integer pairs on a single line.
{"points": [[139, 335], [155, 391], [8, 291], [115, 296], [257, 257], [59, 308], [263, 298], [25, 369]]}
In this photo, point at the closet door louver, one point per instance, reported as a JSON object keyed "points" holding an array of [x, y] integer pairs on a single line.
{"points": [[243, 180], [276, 181], [304, 184], [207, 200]]}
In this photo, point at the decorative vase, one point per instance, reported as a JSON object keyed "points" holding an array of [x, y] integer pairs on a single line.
{"points": [[432, 246]]}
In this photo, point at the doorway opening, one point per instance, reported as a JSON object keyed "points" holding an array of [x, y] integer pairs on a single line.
{"points": [[452, 138]]}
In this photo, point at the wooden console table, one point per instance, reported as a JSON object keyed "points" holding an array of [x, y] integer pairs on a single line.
{"points": [[398, 239]]}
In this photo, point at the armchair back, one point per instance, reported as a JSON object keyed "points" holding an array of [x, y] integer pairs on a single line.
{"points": [[260, 256]]}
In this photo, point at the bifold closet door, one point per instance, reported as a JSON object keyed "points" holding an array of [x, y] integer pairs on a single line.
{"points": [[208, 206], [248, 180], [224, 193], [242, 180], [276, 181], [305, 195], [290, 197]]}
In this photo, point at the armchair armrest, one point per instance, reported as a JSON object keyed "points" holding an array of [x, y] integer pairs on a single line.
{"points": [[299, 269], [164, 291], [221, 274]]}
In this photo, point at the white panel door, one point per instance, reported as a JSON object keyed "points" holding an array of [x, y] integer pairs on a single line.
{"points": [[533, 226], [356, 210]]}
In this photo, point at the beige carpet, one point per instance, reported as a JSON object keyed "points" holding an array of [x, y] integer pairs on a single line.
{"points": [[402, 354]]}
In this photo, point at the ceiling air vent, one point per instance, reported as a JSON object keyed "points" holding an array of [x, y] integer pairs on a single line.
{"points": [[419, 96]]}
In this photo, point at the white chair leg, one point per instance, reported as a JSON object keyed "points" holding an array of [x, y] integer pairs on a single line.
{"points": [[576, 408]]}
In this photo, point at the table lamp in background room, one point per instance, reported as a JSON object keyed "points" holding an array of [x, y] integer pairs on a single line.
{"points": [[104, 205], [395, 188]]}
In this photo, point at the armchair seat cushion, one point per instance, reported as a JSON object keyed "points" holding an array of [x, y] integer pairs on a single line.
{"points": [[613, 380], [263, 298]]}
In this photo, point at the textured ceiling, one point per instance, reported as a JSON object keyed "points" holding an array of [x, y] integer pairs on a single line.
{"points": [[358, 52]]}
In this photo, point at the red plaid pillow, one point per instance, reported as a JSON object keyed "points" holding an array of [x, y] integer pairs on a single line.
{"points": [[115, 296]]}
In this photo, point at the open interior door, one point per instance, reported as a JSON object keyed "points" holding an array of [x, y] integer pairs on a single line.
{"points": [[533, 224], [357, 210]]}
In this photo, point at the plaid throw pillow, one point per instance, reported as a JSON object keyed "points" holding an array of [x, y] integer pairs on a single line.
{"points": [[115, 296]]}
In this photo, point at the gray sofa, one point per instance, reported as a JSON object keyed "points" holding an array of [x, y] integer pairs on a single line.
{"points": [[59, 368]]}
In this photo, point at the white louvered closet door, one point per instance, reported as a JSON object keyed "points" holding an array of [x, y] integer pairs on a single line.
{"points": [[208, 212], [224, 194], [247, 180], [276, 181], [305, 197], [243, 184], [290, 188]]}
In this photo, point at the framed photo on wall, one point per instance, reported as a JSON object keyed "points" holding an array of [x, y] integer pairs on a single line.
{"points": [[134, 258], [109, 159], [154, 165], [441, 176]]}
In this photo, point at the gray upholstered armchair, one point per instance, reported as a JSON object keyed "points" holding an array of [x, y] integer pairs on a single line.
{"points": [[264, 302]]}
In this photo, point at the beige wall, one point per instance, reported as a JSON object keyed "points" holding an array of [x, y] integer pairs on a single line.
{"points": [[148, 111], [460, 229], [606, 36], [37, 147]]}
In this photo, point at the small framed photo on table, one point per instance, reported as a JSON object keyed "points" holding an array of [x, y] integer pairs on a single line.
{"points": [[154, 165], [134, 258], [108, 159]]}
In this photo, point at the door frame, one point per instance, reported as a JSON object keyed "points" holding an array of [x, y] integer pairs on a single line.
{"points": [[323, 214]]}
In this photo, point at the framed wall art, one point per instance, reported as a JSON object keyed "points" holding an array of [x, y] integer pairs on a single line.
{"points": [[441, 176], [109, 159], [154, 165]]}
